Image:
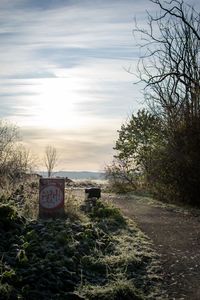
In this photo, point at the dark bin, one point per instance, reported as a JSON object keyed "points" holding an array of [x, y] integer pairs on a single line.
{"points": [[93, 193]]}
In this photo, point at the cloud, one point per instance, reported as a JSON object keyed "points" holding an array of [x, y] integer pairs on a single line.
{"points": [[33, 36], [79, 149], [34, 41], [62, 64], [96, 89]]}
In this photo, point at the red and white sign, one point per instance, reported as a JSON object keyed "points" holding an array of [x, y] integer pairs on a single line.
{"points": [[51, 196]]}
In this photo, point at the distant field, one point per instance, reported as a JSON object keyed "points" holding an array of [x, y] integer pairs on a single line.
{"points": [[92, 181]]}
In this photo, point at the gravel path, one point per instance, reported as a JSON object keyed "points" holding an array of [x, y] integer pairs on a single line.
{"points": [[176, 237]]}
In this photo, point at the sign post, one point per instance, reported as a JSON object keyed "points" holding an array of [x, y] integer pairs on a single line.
{"points": [[51, 197]]}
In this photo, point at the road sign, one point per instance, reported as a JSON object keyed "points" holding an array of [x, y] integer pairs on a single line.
{"points": [[51, 197]]}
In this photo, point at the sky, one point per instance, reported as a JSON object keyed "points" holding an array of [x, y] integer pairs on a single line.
{"points": [[64, 78]]}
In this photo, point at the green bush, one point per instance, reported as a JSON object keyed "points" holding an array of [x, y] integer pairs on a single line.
{"points": [[104, 211]]}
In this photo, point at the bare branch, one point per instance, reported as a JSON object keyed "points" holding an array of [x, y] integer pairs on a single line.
{"points": [[50, 159]]}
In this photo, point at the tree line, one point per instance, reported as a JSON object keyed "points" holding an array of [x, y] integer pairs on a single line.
{"points": [[159, 147]]}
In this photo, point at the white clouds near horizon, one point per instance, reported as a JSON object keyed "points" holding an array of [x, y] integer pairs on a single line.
{"points": [[62, 77]]}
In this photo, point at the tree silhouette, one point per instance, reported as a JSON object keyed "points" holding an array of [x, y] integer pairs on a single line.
{"points": [[50, 159]]}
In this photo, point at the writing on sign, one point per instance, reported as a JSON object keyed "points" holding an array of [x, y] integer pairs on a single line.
{"points": [[51, 196]]}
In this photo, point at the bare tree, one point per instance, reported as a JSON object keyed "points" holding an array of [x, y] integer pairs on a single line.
{"points": [[15, 159], [121, 175], [8, 138], [170, 65], [22, 160], [170, 69], [50, 159]]}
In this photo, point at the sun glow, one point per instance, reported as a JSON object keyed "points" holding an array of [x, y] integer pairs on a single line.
{"points": [[56, 104]]}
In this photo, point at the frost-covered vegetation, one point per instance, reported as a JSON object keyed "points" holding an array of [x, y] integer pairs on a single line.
{"points": [[100, 255]]}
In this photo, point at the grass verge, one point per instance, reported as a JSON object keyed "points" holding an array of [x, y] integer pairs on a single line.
{"points": [[101, 256]]}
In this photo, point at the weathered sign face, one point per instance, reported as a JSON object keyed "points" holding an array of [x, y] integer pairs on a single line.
{"points": [[51, 197]]}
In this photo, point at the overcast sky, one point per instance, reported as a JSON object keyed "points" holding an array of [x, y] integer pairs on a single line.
{"points": [[63, 77]]}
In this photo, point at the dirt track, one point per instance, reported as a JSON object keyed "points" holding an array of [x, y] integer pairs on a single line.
{"points": [[176, 236]]}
